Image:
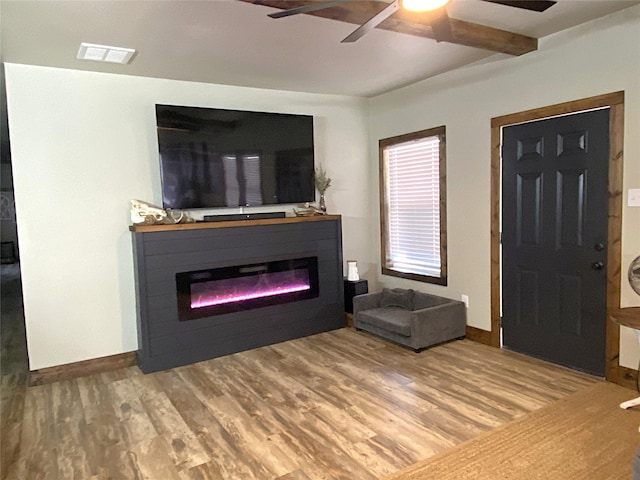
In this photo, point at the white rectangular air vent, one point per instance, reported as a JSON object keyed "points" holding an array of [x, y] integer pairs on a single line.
{"points": [[103, 53]]}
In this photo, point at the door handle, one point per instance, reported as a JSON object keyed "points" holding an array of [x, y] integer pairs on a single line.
{"points": [[597, 265]]}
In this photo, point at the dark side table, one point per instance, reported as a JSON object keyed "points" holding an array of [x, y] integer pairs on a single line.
{"points": [[351, 289]]}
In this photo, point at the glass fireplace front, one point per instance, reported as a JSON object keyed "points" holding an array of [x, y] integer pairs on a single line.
{"points": [[204, 293]]}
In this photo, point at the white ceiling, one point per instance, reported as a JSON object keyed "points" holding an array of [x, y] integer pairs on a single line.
{"points": [[235, 43]]}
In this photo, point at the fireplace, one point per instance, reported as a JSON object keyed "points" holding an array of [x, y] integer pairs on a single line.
{"points": [[217, 291], [175, 265]]}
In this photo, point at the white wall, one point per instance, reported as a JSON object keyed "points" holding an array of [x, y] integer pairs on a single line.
{"points": [[83, 145], [592, 59]]}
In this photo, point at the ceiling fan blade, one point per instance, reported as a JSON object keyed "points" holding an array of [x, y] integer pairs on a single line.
{"points": [[307, 8], [464, 33], [533, 5], [373, 22]]}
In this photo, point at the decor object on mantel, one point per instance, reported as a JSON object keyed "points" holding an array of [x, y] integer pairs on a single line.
{"points": [[143, 213], [308, 210], [322, 183]]}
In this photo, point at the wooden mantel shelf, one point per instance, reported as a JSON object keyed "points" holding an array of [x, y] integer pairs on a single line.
{"points": [[235, 223]]}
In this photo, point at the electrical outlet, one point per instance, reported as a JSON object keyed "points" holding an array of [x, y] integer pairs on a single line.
{"points": [[634, 197], [465, 299]]}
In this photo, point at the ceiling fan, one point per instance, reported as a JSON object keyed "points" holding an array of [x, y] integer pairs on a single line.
{"points": [[412, 16]]}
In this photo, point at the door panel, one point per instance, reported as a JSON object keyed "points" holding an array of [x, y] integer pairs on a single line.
{"points": [[529, 291], [529, 208], [570, 205], [554, 216]]}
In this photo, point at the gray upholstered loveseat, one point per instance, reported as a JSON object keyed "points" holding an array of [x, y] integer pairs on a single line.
{"points": [[411, 318]]}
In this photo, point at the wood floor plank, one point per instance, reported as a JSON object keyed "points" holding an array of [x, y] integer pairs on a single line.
{"points": [[333, 406], [340, 420], [150, 458], [130, 413], [217, 442], [324, 460], [111, 461], [205, 471], [344, 451], [295, 475], [95, 399], [73, 462], [199, 381], [185, 449], [12, 394], [38, 435], [391, 451], [250, 436], [370, 458]]}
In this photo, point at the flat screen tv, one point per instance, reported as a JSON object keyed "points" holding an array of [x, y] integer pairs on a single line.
{"points": [[211, 158]]}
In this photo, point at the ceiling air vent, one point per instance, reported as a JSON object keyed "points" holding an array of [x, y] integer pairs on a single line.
{"points": [[103, 53]]}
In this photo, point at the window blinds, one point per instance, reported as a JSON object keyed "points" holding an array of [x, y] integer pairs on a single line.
{"points": [[412, 183]]}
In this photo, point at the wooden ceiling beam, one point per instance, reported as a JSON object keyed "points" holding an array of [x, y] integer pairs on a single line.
{"points": [[419, 24]]}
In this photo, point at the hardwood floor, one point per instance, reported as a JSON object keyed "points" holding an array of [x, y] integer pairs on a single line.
{"points": [[338, 405], [13, 347], [13, 363]]}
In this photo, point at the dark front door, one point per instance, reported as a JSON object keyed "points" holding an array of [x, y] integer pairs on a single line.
{"points": [[554, 239]]}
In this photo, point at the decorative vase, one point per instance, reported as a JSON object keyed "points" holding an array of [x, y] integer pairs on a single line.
{"points": [[352, 271], [322, 204]]}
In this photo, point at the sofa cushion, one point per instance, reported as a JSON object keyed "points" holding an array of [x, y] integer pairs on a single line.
{"points": [[425, 300], [392, 319], [397, 297]]}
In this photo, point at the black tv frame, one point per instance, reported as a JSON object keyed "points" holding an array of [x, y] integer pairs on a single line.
{"points": [[220, 158]]}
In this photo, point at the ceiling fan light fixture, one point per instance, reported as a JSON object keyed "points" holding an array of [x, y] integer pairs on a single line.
{"points": [[423, 5]]}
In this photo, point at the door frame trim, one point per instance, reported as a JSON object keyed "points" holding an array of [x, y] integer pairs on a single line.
{"points": [[615, 101]]}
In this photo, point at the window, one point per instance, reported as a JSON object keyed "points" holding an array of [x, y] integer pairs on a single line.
{"points": [[412, 208], [242, 179]]}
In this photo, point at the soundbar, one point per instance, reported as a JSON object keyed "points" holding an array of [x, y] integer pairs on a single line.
{"points": [[243, 216]]}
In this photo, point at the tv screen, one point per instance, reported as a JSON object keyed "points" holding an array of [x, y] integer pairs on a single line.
{"points": [[212, 158]]}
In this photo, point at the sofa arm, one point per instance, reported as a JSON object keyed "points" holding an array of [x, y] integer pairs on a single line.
{"points": [[440, 323], [366, 301]]}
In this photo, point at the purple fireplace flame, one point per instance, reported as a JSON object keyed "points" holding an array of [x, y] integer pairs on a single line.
{"points": [[217, 291], [220, 292]]}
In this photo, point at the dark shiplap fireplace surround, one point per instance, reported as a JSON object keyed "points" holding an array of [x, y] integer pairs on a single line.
{"points": [[165, 253]]}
